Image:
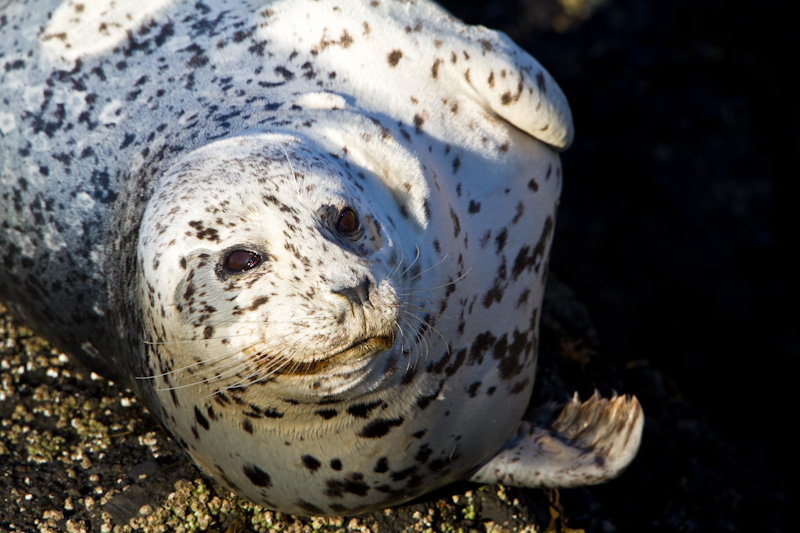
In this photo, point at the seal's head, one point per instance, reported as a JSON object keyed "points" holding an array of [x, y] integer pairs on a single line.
{"points": [[291, 302], [259, 260]]}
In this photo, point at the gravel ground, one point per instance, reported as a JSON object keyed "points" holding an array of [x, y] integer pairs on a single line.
{"points": [[670, 277]]}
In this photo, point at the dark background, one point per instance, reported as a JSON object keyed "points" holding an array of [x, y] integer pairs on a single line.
{"points": [[675, 230]]}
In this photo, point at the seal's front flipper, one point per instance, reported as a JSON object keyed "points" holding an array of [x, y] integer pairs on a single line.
{"points": [[588, 443]]}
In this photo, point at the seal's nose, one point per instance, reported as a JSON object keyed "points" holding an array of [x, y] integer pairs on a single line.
{"points": [[356, 295]]}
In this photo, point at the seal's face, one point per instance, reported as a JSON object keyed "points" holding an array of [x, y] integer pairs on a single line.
{"points": [[264, 264]]}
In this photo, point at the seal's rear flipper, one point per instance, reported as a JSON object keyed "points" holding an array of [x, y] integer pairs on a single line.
{"points": [[588, 443]]}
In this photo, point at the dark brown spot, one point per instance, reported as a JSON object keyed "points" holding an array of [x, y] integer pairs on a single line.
{"points": [[460, 357], [510, 356], [394, 57], [403, 474], [527, 260], [418, 122], [309, 508], [519, 386], [345, 40], [257, 476], [456, 223], [379, 428], [362, 410], [495, 294], [541, 82], [381, 466], [501, 239], [203, 421], [311, 462], [481, 344], [258, 302], [523, 298], [285, 73], [353, 484], [409, 376], [435, 68], [423, 454], [520, 210]]}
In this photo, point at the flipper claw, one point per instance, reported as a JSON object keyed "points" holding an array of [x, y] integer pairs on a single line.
{"points": [[587, 443]]}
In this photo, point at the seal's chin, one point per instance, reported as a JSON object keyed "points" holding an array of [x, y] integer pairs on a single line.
{"points": [[354, 353]]}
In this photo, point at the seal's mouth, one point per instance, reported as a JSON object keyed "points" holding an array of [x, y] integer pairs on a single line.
{"points": [[356, 351]]}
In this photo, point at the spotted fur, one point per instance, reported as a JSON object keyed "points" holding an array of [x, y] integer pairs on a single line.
{"points": [[313, 236]]}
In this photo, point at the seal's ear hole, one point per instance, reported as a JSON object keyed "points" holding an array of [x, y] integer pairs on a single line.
{"points": [[238, 261], [347, 223]]}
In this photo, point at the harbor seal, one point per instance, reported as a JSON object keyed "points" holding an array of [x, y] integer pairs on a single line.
{"points": [[312, 236]]}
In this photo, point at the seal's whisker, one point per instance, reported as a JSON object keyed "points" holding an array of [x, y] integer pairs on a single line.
{"points": [[254, 375], [396, 266], [273, 361], [175, 371], [223, 373], [425, 321], [278, 360], [224, 365], [419, 275], [413, 358], [296, 177], [433, 329], [191, 384], [258, 374], [438, 316], [262, 358], [237, 322], [419, 327], [409, 267], [427, 314], [409, 348], [443, 285]]}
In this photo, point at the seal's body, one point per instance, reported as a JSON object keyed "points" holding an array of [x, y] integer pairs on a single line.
{"points": [[312, 236]]}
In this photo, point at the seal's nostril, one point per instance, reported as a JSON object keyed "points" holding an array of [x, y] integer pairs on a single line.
{"points": [[356, 295]]}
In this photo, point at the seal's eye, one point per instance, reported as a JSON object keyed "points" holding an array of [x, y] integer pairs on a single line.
{"points": [[241, 261], [348, 224]]}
